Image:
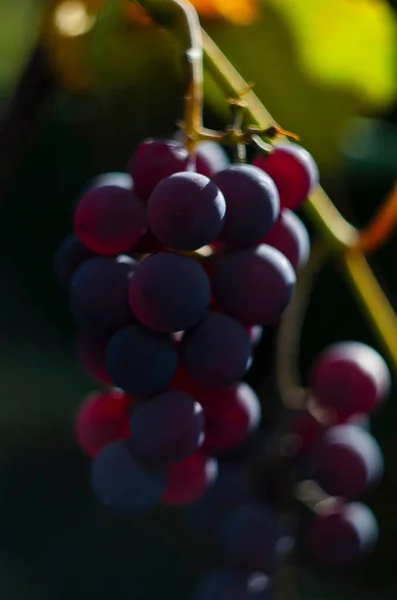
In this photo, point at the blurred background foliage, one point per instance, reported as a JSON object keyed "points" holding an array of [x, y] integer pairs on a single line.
{"points": [[326, 69]]}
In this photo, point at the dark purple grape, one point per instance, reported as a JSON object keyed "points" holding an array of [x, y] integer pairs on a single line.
{"points": [[347, 461], [155, 160], [250, 534], [140, 361], [188, 480], [233, 585], [167, 428], [217, 352], [342, 535], [110, 219], [252, 204], [169, 292], [253, 285], [121, 482], [350, 378], [293, 170], [99, 296], [186, 211], [289, 235], [70, 255], [210, 158]]}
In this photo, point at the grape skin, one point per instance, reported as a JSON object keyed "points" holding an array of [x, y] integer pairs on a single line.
{"points": [[121, 482], [252, 204], [188, 480], [217, 352], [289, 235], [253, 285], [169, 293], [141, 362], [186, 211], [232, 585]]}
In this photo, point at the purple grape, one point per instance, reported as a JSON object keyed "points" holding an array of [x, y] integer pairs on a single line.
{"points": [[167, 428], [232, 585], [110, 219], [140, 361], [250, 534], [289, 235], [253, 285], [169, 292], [188, 480], [341, 536], [347, 461], [350, 378], [186, 211], [155, 160], [121, 482], [217, 352], [293, 170], [210, 158], [70, 255], [98, 296], [252, 204]]}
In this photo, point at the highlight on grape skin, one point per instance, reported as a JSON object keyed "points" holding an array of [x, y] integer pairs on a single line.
{"points": [[293, 170], [343, 535], [252, 204], [217, 352], [140, 361], [186, 211], [103, 418], [110, 219], [232, 585], [167, 428], [241, 282], [169, 292], [350, 377], [348, 461], [121, 482]]}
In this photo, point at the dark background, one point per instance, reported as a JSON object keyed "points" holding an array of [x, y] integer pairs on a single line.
{"points": [[56, 542]]}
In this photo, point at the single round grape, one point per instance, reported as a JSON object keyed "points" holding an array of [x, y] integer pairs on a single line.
{"points": [[186, 211], [110, 219], [232, 585], [121, 482], [102, 418], [290, 236], [169, 292], [98, 296], [91, 354], [342, 535], [293, 170], [210, 158], [253, 285], [140, 361], [153, 161], [252, 204], [115, 178], [347, 461], [250, 534], [230, 414], [70, 255], [350, 378], [231, 489], [167, 428], [188, 480], [217, 352]]}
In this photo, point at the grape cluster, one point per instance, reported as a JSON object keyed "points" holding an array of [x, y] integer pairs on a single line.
{"points": [[173, 270]]}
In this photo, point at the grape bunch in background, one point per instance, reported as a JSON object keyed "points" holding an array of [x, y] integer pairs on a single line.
{"points": [[173, 270]]}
